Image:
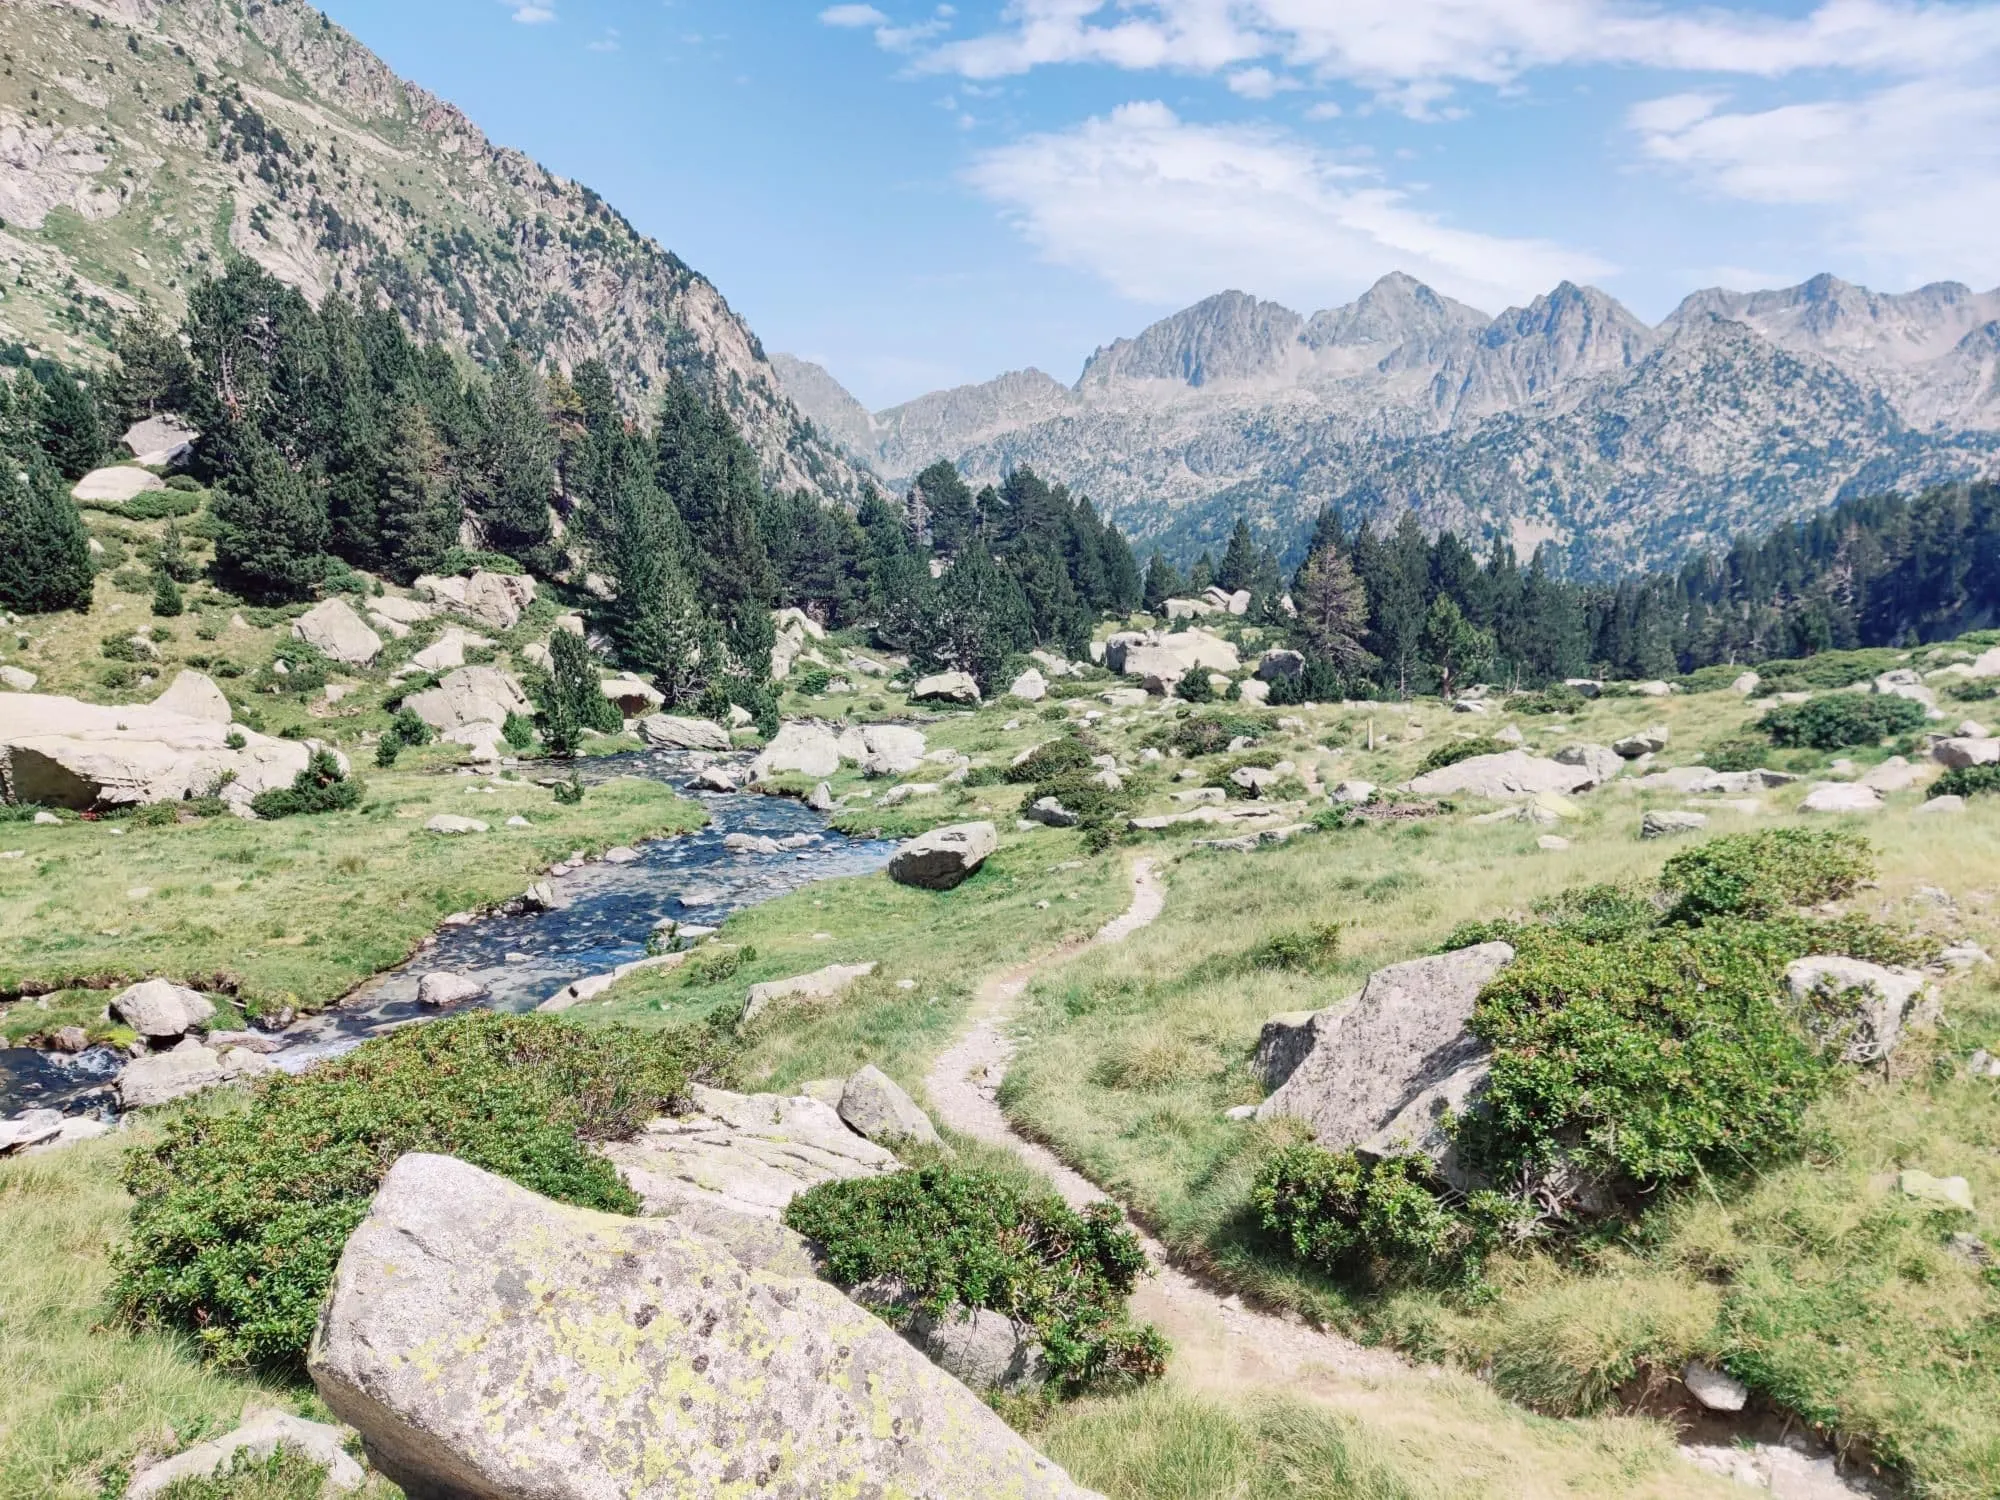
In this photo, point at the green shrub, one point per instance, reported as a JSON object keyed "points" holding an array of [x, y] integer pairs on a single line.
{"points": [[167, 601], [1557, 698], [811, 679], [1758, 875], [518, 731], [1829, 669], [1453, 751], [1308, 950], [1973, 692], [1211, 733], [409, 729], [980, 776], [287, 1474], [122, 648], [1966, 781], [185, 484], [1347, 1216], [387, 751], [239, 1217], [570, 793], [969, 1238], [1195, 687], [321, 787], [1066, 754], [464, 560], [1842, 720], [1736, 753], [1094, 803]]}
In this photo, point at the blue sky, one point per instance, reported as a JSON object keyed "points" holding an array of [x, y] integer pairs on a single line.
{"points": [[918, 194]]}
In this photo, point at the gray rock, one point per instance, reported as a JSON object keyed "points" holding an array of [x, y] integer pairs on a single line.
{"points": [[1281, 663], [1746, 684], [1255, 780], [1051, 813], [873, 1104], [984, 1349], [452, 823], [194, 696], [161, 1077], [805, 748], [160, 1010], [1401, 1042], [117, 484], [1715, 1389], [1288, 1040], [1030, 687], [1602, 762], [1866, 1005], [1841, 797], [1945, 1192], [750, 843], [1664, 824], [715, 778], [772, 1376], [821, 800], [945, 687], [493, 599], [1894, 775], [1510, 775], [1957, 752], [470, 696], [1646, 742], [31, 1127], [441, 989], [944, 857], [19, 679], [674, 732], [1353, 791], [822, 984], [890, 750], [261, 1435], [334, 630]]}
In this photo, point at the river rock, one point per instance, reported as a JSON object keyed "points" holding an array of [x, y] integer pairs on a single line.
{"points": [[1841, 797], [715, 778], [876, 1106], [890, 750], [161, 1077], [333, 629], [261, 1435], [1510, 774], [1664, 824], [30, 1128], [801, 747], [633, 695], [773, 1376], [944, 857], [441, 989], [1646, 742], [1958, 752], [1400, 1046], [1867, 1004], [945, 687], [160, 1010], [1713, 1388], [674, 732], [822, 984]]}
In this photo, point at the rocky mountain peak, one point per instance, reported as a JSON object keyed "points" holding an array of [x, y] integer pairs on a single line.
{"points": [[1228, 337], [1397, 310]]}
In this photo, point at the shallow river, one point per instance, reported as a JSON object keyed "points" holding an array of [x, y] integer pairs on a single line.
{"points": [[604, 916]]}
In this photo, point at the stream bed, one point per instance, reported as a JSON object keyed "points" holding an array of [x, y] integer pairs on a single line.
{"points": [[605, 915]]}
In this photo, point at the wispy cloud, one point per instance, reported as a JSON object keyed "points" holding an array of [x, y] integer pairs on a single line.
{"points": [[855, 16], [889, 36], [606, 43], [1166, 211], [533, 15]]}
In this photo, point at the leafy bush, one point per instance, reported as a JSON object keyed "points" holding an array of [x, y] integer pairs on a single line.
{"points": [[408, 728], [985, 776], [1453, 751], [465, 560], [1053, 759], [239, 1217], [1736, 753], [122, 648], [1758, 875], [1344, 1215], [1829, 669], [387, 751], [1211, 733], [811, 679], [1841, 720], [518, 731], [968, 1238], [1097, 807], [1557, 698], [1966, 781], [1973, 692], [167, 601], [570, 793], [1195, 687], [321, 787], [1309, 950]]}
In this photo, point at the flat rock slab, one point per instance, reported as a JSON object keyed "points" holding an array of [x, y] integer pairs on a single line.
{"points": [[488, 1342], [261, 1435], [1511, 774], [116, 485], [822, 984]]}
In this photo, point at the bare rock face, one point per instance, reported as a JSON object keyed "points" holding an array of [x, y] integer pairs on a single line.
{"points": [[471, 695], [1384, 1067], [873, 1104], [116, 485], [674, 732], [485, 1341], [333, 629], [494, 600], [944, 857], [1961, 751], [1510, 775]]}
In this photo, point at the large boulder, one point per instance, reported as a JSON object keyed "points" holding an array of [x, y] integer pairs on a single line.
{"points": [[193, 696], [873, 1104], [822, 984], [1644, 742], [945, 687], [116, 485], [1862, 1005], [161, 1077], [471, 695], [633, 695], [448, 650], [944, 857], [160, 1010], [673, 732], [1905, 682], [1665, 823], [1602, 762], [1281, 663], [799, 746], [1385, 1067], [64, 753], [333, 629], [493, 599], [1961, 751], [890, 750], [1841, 797], [1030, 687], [485, 1341], [1511, 774], [160, 442]]}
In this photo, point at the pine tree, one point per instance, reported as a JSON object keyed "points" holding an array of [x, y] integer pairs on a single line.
{"points": [[270, 529], [1333, 611], [419, 511], [167, 602], [44, 549], [1453, 647], [1202, 576], [654, 621], [979, 620], [152, 375], [1163, 582], [519, 465], [1239, 560], [72, 433], [946, 504], [709, 475], [568, 701]]}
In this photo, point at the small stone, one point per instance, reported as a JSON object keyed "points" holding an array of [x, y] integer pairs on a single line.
{"points": [[1968, 1246], [517, 821], [620, 855], [1552, 843], [1660, 825], [1241, 1112], [1948, 805], [1946, 1192], [47, 820], [451, 823], [1713, 1388], [442, 989]]}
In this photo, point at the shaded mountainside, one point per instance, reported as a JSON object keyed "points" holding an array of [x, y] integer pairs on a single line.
{"points": [[143, 141], [1568, 420]]}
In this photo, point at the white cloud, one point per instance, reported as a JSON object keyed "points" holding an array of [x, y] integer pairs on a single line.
{"points": [[852, 15], [606, 43], [533, 15], [1260, 83], [889, 37], [1168, 212]]}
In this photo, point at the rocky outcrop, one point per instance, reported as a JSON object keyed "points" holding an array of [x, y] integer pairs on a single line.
{"points": [[448, 650], [471, 704], [1602, 762], [333, 629], [1509, 775], [672, 732], [494, 600], [160, 1010], [944, 857], [116, 485], [485, 1341], [1841, 797], [193, 696], [874, 1105], [65, 753], [1384, 1069], [632, 695], [161, 1077], [1960, 751]]}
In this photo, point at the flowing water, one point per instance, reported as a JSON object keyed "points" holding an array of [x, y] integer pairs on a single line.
{"points": [[605, 915]]}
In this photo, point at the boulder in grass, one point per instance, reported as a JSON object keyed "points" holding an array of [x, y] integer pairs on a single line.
{"points": [[115, 486], [945, 857], [1961, 751], [1866, 1006], [1841, 797], [822, 984], [1602, 762], [945, 687], [1511, 775], [468, 696], [873, 1104], [261, 1435], [486, 1341], [1645, 742], [160, 1010], [333, 629], [18, 679], [1029, 687], [802, 747], [1715, 1389], [1666, 824]]}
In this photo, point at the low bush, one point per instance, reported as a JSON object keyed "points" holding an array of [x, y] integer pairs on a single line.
{"points": [[1736, 753], [1966, 691], [518, 731], [960, 1237], [570, 793], [1966, 781], [1097, 807], [1841, 721], [1380, 1219], [409, 729], [1195, 687], [1453, 751], [1557, 698], [980, 776], [321, 787], [1758, 875], [811, 680], [1308, 950], [1211, 733], [239, 1217], [1053, 759], [1829, 669]]}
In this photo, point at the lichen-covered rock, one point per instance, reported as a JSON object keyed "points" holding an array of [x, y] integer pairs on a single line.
{"points": [[1511, 774], [485, 1341], [876, 1106], [944, 857]]}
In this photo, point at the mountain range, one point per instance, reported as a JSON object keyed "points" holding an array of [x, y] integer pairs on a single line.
{"points": [[143, 141], [1569, 420]]}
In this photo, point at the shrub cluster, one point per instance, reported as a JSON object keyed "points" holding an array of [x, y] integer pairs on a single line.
{"points": [[239, 1218], [1379, 1219], [1758, 875], [1966, 781], [321, 787], [966, 1238], [1840, 721], [1557, 698], [1211, 733], [1052, 759], [1828, 669], [1452, 752], [1308, 950]]}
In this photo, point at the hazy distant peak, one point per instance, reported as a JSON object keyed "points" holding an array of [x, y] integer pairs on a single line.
{"points": [[1394, 311], [1230, 336]]}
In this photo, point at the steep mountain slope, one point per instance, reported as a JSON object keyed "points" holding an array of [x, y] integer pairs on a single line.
{"points": [[1568, 420], [142, 141]]}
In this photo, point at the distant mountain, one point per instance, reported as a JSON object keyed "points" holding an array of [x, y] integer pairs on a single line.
{"points": [[1568, 420], [141, 141]]}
